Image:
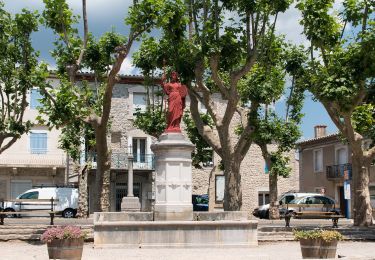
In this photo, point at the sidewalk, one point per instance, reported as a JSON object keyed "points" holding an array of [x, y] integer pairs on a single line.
{"points": [[265, 251]]}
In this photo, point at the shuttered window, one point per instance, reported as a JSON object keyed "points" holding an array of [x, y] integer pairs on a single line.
{"points": [[38, 143]]}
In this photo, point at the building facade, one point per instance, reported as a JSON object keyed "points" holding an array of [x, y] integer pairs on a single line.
{"points": [[129, 95], [326, 167], [34, 159]]}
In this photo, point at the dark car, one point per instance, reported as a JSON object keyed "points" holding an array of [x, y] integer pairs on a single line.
{"points": [[200, 202]]}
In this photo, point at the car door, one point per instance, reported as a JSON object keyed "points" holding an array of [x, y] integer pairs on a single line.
{"points": [[32, 195], [329, 204]]}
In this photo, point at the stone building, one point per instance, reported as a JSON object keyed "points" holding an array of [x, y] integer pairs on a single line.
{"points": [[128, 95], [35, 159], [326, 167]]}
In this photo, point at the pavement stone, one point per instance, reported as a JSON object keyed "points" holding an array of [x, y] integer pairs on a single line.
{"points": [[265, 251]]}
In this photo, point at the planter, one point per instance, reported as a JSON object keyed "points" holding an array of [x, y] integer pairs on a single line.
{"points": [[65, 249], [318, 248]]}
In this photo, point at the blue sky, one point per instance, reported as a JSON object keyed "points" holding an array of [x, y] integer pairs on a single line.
{"points": [[105, 15]]}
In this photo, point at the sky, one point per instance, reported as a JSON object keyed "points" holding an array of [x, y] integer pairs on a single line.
{"points": [[104, 15]]}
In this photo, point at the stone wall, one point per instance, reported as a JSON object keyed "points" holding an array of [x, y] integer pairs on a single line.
{"points": [[254, 178]]}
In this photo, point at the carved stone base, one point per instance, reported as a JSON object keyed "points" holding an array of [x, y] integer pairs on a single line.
{"points": [[130, 204], [173, 178]]}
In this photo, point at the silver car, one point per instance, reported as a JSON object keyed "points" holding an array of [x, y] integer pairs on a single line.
{"points": [[318, 203]]}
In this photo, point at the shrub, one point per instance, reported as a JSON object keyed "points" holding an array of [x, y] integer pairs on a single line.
{"points": [[326, 235], [62, 232]]}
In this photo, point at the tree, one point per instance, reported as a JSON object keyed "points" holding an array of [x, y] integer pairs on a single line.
{"points": [[276, 136], [19, 72], [340, 75], [92, 103], [215, 56]]}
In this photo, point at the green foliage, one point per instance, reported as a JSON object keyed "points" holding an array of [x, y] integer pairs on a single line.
{"points": [[364, 118], [202, 153], [152, 121], [19, 72], [344, 80], [326, 235], [321, 28], [280, 164]]}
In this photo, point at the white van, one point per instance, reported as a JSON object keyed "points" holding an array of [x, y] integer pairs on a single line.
{"points": [[66, 205]]}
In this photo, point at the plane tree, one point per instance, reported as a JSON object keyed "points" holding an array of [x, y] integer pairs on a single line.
{"points": [[19, 72], [216, 51], [76, 99], [340, 74]]}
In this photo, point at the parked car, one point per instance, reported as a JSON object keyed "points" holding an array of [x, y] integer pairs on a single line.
{"points": [[263, 211], [200, 202], [66, 204], [323, 203]]}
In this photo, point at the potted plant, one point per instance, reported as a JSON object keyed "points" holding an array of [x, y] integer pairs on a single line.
{"points": [[64, 242], [318, 243]]}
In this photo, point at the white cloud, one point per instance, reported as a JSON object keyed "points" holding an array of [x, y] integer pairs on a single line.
{"points": [[128, 68]]}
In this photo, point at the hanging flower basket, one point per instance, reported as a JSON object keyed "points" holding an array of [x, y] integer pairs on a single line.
{"points": [[64, 242], [318, 243]]}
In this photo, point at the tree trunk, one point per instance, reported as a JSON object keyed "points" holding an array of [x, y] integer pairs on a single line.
{"points": [[103, 170], [274, 202], [83, 207], [362, 210], [233, 190]]}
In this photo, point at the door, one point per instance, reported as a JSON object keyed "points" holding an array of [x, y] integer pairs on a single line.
{"points": [[122, 191], [342, 201], [139, 153]]}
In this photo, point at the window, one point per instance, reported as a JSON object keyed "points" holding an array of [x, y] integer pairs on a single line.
{"points": [[219, 188], [139, 102], [318, 160], [372, 195], [263, 198], [35, 96], [38, 143], [341, 156], [287, 199], [139, 150], [30, 195]]}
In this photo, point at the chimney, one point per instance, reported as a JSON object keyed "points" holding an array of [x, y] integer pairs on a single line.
{"points": [[320, 131]]}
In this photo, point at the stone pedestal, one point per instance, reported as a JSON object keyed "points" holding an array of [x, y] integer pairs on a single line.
{"points": [[130, 204], [173, 179]]}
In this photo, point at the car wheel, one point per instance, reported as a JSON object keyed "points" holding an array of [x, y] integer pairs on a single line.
{"points": [[10, 215], [68, 213]]}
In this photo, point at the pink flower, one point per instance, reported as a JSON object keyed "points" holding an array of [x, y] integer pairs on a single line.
{"points": [[62, 232]]}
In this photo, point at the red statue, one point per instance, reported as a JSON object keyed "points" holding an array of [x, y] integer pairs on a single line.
{"points": [[176, 102]]}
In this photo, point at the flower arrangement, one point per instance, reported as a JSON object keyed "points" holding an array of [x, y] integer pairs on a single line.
{"points": [[326, 235], [62, 232]]}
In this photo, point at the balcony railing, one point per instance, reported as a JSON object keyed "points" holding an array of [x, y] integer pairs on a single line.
{"points": [[120, 161], [339, 172]]}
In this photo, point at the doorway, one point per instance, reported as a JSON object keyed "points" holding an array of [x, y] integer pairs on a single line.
{"points": [[342, 201]]}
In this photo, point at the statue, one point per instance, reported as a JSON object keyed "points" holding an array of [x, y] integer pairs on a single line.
{"points": [[176, 102]]}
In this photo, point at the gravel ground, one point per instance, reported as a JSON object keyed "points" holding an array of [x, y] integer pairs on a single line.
{"points": [[265, 251]]}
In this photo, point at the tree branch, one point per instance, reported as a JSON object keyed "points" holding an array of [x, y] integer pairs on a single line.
{"points": [[214, 65], [204, 130], [85, 33]]}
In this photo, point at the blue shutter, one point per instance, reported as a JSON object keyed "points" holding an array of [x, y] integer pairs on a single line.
{"points": [[34, 98], [38, 143], [266, 170]]}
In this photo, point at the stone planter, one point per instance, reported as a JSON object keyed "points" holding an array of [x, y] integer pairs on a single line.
{"points": [[318, 248], [65, 249]]}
